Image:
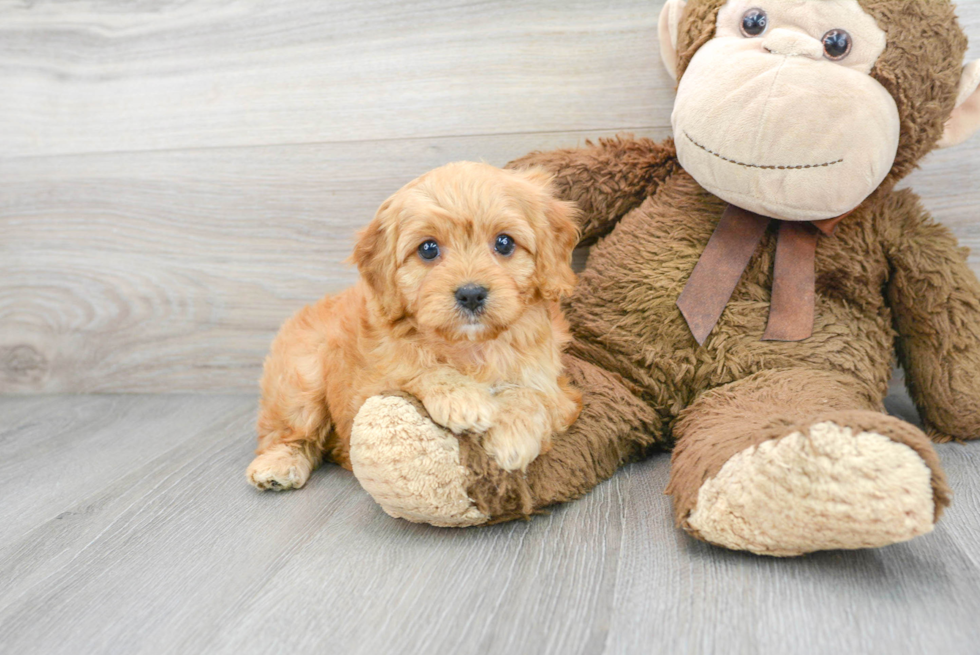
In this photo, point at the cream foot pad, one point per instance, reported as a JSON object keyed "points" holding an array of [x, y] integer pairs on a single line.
{"points": [[827, 490], [409, 465]]}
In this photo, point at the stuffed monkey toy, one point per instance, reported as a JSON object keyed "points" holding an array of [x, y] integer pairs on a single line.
{"points": [[751, 283]]}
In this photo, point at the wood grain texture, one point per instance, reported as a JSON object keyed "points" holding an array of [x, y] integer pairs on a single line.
{"points": [[171, 271], [145, 539], [83, 77], [177, 178]]}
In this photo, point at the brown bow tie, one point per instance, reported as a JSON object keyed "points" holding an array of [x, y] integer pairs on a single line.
{"points": [[725, 259]]}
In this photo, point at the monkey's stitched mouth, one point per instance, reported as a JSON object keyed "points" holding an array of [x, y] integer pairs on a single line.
{"points": [[767, 168]]}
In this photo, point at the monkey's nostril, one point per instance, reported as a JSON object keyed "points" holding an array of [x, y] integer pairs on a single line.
{"points": [[782, 41], [471, 297]]}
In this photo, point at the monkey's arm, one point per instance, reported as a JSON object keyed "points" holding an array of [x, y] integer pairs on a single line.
{"points": [[935, 299], [606, 180]]}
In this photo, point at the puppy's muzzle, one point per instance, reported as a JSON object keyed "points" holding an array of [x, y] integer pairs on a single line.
{"points": [[472, 298]]}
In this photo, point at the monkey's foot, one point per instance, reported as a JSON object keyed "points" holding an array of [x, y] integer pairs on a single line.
{"points": [[410, 465], [831, 488]]}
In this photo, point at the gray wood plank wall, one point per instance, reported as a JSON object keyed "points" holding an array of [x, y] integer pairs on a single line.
{"points": [[177, 178]]}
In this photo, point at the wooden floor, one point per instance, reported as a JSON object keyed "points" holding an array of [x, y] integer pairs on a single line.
{"points": [[128, 527]]}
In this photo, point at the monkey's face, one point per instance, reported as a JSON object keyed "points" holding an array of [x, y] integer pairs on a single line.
{"points": [[779, 114]]}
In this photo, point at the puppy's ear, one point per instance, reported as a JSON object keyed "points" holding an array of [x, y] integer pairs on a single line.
{"points": [[377, 260], [554, 261], [556, 235]]}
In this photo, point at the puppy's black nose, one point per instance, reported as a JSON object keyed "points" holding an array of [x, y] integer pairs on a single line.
{"points": [[472, 297]]}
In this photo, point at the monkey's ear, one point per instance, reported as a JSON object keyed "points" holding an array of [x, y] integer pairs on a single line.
{"points": [[670, 20], [966, 117]]}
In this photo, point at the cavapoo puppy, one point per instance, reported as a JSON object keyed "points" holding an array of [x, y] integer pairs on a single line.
{"points": [[458, 304]]}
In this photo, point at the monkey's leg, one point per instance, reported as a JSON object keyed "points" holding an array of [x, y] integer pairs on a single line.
{"points": [[418, 471], [794, 461]]}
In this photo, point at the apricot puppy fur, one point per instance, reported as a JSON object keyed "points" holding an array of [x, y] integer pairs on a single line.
{"points": [[458, 304]]}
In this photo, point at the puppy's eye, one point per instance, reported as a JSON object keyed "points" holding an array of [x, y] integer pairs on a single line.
{"points": [[836, 44], [429, 250], [504, 245], [754, 22]]}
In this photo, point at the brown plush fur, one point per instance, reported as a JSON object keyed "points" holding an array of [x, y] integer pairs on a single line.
{"points": [[400, 328], [890, 279], [729, 419], [576, 463]]}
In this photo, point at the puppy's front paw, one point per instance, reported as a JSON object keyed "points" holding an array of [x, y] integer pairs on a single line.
{"points": [[461, 409], [517, 441], [279, 468]]}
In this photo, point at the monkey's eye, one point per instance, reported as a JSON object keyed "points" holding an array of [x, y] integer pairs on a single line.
{"points": [[754, 22], [836, 44], [429, 250], [504, 245]]}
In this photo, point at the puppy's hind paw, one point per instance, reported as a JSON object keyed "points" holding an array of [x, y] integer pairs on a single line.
{"points": [[278, 469], [461, 409]]}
